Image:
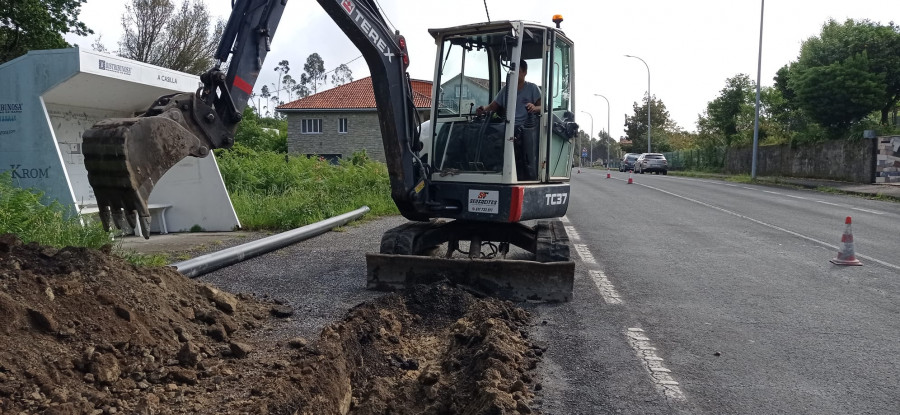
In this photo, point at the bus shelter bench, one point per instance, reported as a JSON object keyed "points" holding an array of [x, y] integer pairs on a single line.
{"points": [[157, 215]]}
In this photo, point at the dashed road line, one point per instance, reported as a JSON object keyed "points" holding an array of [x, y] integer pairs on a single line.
{"points": [[585, 253], [660, 375], [573, 234], [868, 211], [607, 291]]}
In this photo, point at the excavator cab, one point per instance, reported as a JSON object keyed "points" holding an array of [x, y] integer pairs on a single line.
{"points": [[473, 66]]}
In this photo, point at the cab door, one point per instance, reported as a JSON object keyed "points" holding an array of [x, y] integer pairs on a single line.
{"points": [[561, 99]]}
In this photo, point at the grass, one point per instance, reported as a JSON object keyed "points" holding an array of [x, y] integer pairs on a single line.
{"points": [[23, 213], [273, 192]]}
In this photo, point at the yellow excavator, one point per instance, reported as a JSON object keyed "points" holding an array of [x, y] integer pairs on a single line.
{"points": [[471, 183]]}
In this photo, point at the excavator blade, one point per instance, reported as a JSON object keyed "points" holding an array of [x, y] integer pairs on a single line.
{"points": [[513, 280], [125, 157]]}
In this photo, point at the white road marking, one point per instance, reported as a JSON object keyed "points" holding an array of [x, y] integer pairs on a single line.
{"points": [[874, 212], [607, 291], [564, 219], [585, 253], [868, 211], [661, 376], [573, 234], [825, 244]]}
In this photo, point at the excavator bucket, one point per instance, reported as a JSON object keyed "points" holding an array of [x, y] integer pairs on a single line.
{"points": [[125, 157], [423, 253]]}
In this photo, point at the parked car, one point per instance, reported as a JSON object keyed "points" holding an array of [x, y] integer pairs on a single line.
{"points": [[627, 162], [652, 162]]}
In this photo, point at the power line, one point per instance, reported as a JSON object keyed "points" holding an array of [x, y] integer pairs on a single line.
{"points": [[394, 28], [486, 11]]}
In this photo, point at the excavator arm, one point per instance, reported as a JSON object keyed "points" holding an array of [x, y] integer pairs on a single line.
{"points": [[126, 157]]}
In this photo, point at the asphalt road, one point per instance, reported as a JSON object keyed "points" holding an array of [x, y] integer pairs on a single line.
{"points": [[704, 296]]}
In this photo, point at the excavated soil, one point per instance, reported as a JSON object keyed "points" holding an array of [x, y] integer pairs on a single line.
{"points": [[84, 332]]}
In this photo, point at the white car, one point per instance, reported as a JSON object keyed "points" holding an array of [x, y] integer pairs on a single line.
{"points": [[652, 162]]}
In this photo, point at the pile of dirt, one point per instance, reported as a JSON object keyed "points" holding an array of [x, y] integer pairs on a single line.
{"points": [[84, 332]]}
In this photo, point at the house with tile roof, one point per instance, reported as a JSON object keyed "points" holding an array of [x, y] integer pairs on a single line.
{"points": [[466, 93], [340, 121]]}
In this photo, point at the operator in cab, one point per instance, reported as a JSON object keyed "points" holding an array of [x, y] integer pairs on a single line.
{"points": [[528, 98]]}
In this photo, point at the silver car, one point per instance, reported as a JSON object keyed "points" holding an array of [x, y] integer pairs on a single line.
{"points": [[651, 162]]}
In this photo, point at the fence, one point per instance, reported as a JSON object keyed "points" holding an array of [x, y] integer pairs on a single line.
{"points": [[697, 159]]}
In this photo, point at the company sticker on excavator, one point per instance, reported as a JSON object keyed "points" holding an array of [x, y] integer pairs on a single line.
{"points": [[371, 32], [484, 201]]}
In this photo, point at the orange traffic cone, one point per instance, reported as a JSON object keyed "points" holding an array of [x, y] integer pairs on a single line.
{"points": [[846, 255], [629, 178]]}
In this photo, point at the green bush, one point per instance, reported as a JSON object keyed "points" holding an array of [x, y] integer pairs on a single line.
{"points": [[22, 213], [275, 191], [251, 133]]}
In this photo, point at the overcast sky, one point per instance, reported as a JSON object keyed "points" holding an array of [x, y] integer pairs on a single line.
{"points": [[690, 46]]}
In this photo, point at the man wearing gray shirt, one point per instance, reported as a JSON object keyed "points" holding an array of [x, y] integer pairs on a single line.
{"points": [[528, 98]]}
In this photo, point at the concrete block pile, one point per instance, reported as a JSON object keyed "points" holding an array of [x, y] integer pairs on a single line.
{"points": [[887, 168]]}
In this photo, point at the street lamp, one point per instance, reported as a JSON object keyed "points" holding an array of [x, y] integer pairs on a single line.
{"points": [[762, 8], [608, 135], [591, 138], [648, 99]]}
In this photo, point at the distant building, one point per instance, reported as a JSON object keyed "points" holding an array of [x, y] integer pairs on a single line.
{"points": [[340, 121], [468, 94]]}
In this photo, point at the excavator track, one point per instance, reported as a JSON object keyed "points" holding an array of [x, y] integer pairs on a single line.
{"points": [[408, 258]]}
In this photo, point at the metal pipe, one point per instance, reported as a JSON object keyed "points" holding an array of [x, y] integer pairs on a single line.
{"points": [[210, 262]]}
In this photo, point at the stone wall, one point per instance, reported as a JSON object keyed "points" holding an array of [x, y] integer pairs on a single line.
{"points": [[844, 160], [887, 168]]}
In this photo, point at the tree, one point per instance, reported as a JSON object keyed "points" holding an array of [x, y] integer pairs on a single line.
{"points": [[265, 95], [342, 74], [155, 33], [282, 68], [839, 94], [731, 114], [98, 44], [855, 54], [37, 24], [636, 127], [315, 72], [288, 84], [301, 88]]}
